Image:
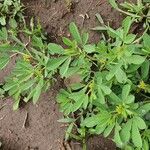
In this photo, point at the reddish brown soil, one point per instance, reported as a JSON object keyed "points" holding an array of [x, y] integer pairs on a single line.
{"points": [[41, 130]]}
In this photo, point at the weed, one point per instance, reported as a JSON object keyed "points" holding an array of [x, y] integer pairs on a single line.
{"points": [[139, 11], [112, 97], [11, 12], [105, 100]]}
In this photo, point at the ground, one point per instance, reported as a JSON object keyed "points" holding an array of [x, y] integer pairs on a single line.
{"points": [[35, 127]]}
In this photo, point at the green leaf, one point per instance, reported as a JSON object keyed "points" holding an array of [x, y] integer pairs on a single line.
{"points": [[68, 131], [85, 101], [4, 61], [113, 4], [117, 137], [37, 42], [129, 38], [3, 20], [130, 99], [126, 25], [114, 98], [136, 59], [64, 67], [142, 110], [113, 71], [17, 100], [13, 23], [54, 63], [140, 123], [125, 132], [125, 91], [136, 137], [121, 76], [101, 97], [75, 32], [108, 130], [3, 34], [38, 89], [55, 49], [146, 39], [89, 48], [145, 69], [146, 145], [67, 41], [78, 104], [105, 89], [91, 121], [85, 38]]}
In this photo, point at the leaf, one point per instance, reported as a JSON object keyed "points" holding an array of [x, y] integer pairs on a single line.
{"points": [[114, 98], [91, 121], [125, 91], [100, 19], [99, 28], [101, 96], [17, 100], [142, 110], [75, 32], [85, 38], [89, 48], [64, 67], [130, 99], [126, 25], [55, 49], [121, 76], [145, 69], [113, 4], [113, 70], [68, 131], [3, 34], [136, 59], [3, 20], [146, 39], [146, 145], [86, 101], [125, 132], [136, 137], [117, 137], [66, 41], [140, 123], [77, 104], [4, 61], [54, 63], [105, 89], [129, 38], [108, 130], [13, 23], [38, 89], [37, 42]]}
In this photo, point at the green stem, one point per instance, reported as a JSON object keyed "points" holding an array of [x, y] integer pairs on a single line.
{"points": [[129, 14], [84, 145]]}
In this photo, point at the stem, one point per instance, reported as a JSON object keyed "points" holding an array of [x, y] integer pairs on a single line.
{"points": [[127, 13], [137, 40], [145, 96], [84, 145]]}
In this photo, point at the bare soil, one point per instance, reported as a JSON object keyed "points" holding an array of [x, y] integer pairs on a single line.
{"points": [[35, 127]]}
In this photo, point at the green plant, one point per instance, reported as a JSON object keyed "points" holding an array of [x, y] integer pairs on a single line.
{"points": [[34, 69], [113, 96], [139, 11], [11, 12]]}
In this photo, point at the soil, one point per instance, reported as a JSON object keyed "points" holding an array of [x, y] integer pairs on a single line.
{"points": [[35, 127]]}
